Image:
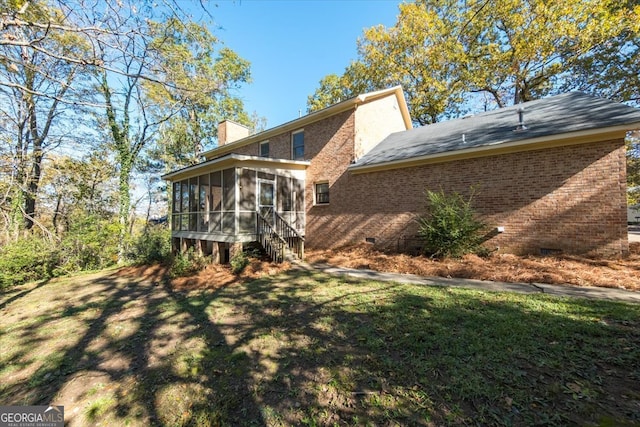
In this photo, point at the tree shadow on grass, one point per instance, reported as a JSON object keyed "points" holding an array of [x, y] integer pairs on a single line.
{"points": [[129, 360], [308, 348], [324, 350], [17, 294]]}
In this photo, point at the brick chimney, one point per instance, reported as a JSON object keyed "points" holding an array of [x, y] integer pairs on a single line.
{"points": [[229, 131]]}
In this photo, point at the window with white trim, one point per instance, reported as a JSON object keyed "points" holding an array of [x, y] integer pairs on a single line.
{"points": [[322, 193], [297, 145]]}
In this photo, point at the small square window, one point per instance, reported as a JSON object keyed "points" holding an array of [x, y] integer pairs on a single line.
{"points": [[264, 149], [322, 193], [297, 145]]}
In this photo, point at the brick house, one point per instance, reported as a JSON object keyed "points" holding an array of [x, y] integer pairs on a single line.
{"points": [[550, 175]]}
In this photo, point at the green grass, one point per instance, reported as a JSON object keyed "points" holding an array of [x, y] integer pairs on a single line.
{"points": [[310, 349], [99, 407]]}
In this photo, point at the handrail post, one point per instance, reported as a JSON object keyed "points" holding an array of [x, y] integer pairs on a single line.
{"points": [[274, 237]]}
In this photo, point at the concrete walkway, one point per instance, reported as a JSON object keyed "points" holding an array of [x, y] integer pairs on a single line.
{"points": [[485, 285]]}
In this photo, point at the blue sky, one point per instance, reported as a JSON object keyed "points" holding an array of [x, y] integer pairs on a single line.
{"points": [[293, 44]]}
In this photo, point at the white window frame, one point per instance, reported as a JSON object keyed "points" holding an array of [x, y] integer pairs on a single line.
{"points": [[315, 193]]}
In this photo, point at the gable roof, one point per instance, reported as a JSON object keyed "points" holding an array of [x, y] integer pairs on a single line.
{"points": [[316, 116], [565, 116]]}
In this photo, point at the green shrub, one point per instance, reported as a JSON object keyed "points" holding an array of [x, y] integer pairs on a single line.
{"points": [[26, 260], [239, 262], [153, 246], [187, 264], [91, 243], [450, 227]]}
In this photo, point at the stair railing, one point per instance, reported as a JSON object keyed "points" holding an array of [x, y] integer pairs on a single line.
{"points": [[276, 238], [294, 240], [272, 243]]}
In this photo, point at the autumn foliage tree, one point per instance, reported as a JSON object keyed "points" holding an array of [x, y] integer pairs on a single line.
{"points": [[451, 56], [202, 77], [141, 75]]}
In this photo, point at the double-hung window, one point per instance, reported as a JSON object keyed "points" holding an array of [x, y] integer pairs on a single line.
{"points": [[264, 149], [297, 145], [322, 193]]}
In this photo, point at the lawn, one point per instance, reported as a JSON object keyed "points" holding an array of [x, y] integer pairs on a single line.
{"points": [[304, 348]]}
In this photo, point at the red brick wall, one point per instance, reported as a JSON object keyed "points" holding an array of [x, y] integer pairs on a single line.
{"points": [[328, 140], [330, 160], [569, 198]]}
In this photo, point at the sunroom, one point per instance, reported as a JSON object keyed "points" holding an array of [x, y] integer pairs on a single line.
{"points": [[219, 205]]}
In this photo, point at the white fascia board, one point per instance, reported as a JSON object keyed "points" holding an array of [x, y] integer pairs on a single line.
{"points": [[235, 160]]}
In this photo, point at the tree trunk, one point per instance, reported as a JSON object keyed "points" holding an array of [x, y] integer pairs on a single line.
{"points": [[57, 226], [33, 185], [125, 204]]}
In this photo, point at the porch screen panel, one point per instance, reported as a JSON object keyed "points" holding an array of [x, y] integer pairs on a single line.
{"points": [[175, 198], [284, 199], [228, 189], [228, 223], [184, 206], [247, 222], [297, 192], [216, 191], [248, 190], [175, 206], [204, 199], [175, 222], [215, 214], [298, 187], [228, 201], [193, 204], [247, 202], [284, 194]]}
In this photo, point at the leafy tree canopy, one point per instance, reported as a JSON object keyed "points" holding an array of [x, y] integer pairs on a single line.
{"points": [[449, 55], [140, 77], [204, 77]]}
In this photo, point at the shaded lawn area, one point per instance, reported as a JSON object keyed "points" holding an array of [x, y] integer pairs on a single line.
{"points": [[304, 348]]}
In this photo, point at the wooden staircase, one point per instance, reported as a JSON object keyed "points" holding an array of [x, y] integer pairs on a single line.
{"points": [[279, 239]]}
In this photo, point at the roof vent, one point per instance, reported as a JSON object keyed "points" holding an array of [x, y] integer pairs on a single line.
{"points": [[521, 126]]}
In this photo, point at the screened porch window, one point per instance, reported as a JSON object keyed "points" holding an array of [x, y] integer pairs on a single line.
{"points": [[226, 201]]}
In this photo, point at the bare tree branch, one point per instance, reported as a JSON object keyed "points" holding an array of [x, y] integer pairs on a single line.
{"points": [[49, 96], [6, 21]]}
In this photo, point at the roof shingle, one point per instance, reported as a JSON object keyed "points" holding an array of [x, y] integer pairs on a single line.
{"points": [[556, 115]]}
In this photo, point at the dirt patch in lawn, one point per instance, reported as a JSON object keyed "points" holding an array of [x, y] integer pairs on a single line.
{"points": [[574, 270]]}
